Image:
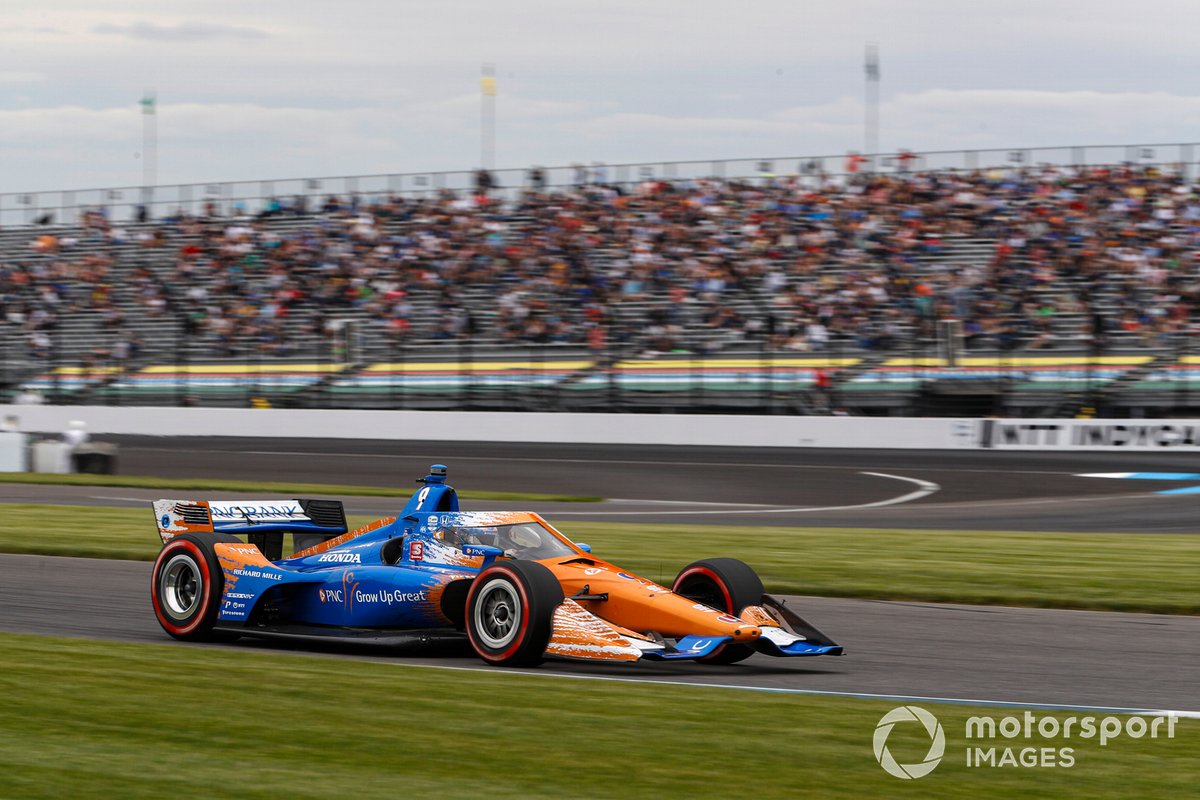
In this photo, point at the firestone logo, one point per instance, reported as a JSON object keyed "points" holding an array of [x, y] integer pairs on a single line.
{"points": [[937, 747]]}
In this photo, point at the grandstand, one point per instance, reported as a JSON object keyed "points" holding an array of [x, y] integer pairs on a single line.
{"points": [[1014, 290]]}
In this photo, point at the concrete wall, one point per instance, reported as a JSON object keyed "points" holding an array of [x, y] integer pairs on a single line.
{"points": [[682, 429], [669, 429]]}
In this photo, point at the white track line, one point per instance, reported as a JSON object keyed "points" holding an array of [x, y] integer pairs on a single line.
{"points": [[898, 698], [1039, 502], [925, 488], [683, 503]]}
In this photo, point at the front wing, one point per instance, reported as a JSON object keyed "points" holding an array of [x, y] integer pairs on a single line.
{"points": [[581, 635]]}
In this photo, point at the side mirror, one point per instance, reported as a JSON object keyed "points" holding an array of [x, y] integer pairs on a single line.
{"points": [[488, 552], [587, 548]]}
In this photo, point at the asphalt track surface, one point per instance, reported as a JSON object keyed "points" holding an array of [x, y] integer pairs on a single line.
{"points": [[948, 490], [1008, 655], [909, 650]]}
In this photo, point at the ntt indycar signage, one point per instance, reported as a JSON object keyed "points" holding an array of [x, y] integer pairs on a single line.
{"points": [[1089, 434]]}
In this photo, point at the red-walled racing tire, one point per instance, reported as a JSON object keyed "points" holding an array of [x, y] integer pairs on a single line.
{"points": [[186, 585], [725, 584], [510, 608]]}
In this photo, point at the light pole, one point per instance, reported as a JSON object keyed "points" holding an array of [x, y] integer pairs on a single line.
{"points": [[871, 121], [487, 117], [149, 148]]}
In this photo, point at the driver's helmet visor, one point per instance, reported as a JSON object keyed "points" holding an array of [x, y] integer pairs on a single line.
{"points": [[525, 536]]}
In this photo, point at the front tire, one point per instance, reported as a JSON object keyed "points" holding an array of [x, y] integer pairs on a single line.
{"points": [[186, 586], [725, 584], [510, 610]]}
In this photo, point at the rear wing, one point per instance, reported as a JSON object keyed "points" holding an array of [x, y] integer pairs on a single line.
{"points": [[253, 518]]}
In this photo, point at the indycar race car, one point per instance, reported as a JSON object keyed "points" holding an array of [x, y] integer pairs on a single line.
{"points": [[517, 589]]}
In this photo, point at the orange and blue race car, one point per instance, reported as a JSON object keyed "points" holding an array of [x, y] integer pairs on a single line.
{"points": [[508, 582]]}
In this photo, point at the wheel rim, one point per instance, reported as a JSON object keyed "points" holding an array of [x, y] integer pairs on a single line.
{"points": [[497, 614], [180, 586]]}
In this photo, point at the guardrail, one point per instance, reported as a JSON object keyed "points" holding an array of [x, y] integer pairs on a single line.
{"points": [[127, 203], [917, 378]]}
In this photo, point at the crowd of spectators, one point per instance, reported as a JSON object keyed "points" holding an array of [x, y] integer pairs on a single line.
{"points": [[801, 263]]}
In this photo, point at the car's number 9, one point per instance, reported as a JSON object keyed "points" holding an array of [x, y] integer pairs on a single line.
{"points": [[422, 496]]}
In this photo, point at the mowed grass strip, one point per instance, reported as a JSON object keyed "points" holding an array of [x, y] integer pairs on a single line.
{"points": [[1112, 572], [88, 719], [1144, 572], [266, 487]]}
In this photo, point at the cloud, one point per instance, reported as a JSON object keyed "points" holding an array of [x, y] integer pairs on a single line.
{"points": [[17, 77], [180, 32], [935, 120], [1037, 118], [74, 146]]}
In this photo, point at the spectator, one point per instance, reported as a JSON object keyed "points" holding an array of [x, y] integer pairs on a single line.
{"points": [[805, 263]]}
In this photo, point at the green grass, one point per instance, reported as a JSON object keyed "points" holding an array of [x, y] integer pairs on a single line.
{"points": [[1114, 572], [88, 719], [1142, 572], [266, 487]]}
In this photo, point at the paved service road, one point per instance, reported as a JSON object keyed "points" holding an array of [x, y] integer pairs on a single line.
{"points": [[967, 490], [913, 649]]}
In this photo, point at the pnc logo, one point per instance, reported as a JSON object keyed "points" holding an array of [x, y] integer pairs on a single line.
{"points": [[330, 595]]}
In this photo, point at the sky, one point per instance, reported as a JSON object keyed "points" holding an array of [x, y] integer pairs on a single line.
{"points": [[293, 88]]}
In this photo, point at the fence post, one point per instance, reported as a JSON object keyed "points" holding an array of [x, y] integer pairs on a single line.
{"points": [[1180, 374], [764, 373], [1188, 332], [319, 395], [465, 373], [610, 361], [55, 366], [4, 377], [393, 362], [399, 372], [181, 360]]}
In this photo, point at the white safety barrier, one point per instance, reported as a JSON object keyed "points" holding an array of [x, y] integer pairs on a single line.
{"points": [[481, 426], [909, 433], [50, 455], [14, 448]]}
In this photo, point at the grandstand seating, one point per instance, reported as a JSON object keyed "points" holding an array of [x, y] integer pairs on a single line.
{"points": [[705, 366]]}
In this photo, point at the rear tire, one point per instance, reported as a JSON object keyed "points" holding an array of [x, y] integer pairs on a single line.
{"points": [[725, 584], [510, 610], [186, 586]]}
